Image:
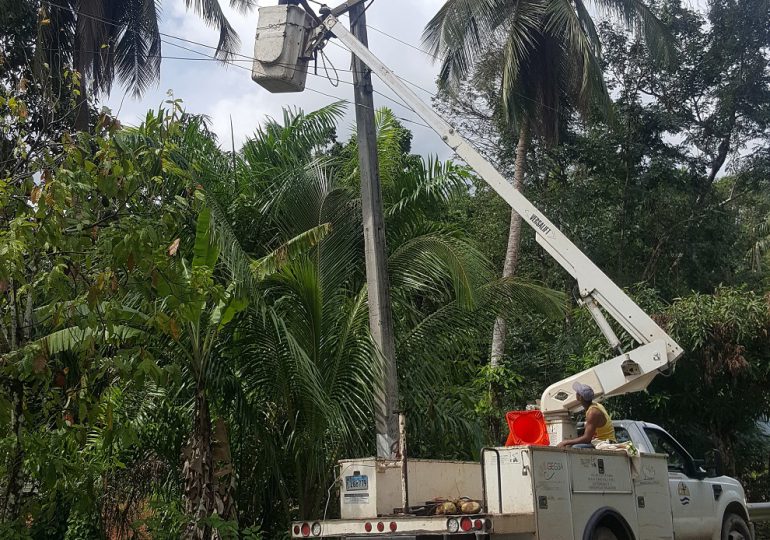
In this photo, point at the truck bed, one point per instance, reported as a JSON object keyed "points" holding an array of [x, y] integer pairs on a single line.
{"points": [[526, 492]]}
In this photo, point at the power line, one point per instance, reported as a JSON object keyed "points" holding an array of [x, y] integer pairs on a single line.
{"points": [[415, 47], [407, 81], [245, 57], [315, 75], [400, 103], [352, 23], [410, 45], [306, 87]]}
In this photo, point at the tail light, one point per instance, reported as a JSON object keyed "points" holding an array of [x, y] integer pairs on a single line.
{"points": [[368, 527], [296, 529], [478, 524], [380, 526], [466, 524], [452, 525], [316, 529], [393, 526], [305, 529]]}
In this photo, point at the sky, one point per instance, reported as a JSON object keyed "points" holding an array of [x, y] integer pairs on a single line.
{"points": [[225, 92]]}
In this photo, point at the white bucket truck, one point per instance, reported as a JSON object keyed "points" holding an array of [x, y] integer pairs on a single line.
{"points": [[525, 492]]}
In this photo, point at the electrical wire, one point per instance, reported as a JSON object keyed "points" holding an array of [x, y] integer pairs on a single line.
{"points": [[400, 104], [307, 87], [353, 23], [324, 59], [245, 58], [407, 81], [415, 47], [410, 45]]}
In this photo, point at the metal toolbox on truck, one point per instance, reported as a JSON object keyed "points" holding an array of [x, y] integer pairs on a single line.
{"points": [[566, 489], [371, 487]]}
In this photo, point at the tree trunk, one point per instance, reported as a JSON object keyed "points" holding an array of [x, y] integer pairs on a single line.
{"points": [[198, 471], [514, 242], [14, 467], [82, 114], [723, 442], [20, 333], [224, 472], [509, 269]]}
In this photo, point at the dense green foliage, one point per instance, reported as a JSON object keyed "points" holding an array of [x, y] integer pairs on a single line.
{"points": [[651, 199], [184, 343], [166, 300]]}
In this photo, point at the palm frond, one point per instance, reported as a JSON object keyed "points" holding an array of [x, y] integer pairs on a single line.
{"points": [[90, 35], [433, 182], [504, 296], [523, 35], [205, 253], [761, 246], [211, 12], [273, 262], [284, 144], [582, 62], [136, 50], [637, 14], [428, 263], [75, 339], [458, 34]]}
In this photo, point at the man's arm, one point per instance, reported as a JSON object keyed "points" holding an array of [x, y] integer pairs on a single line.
{"points": [[592, 421]]}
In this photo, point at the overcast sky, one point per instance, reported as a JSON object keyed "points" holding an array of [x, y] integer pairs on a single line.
{"points": [[223, 92]]}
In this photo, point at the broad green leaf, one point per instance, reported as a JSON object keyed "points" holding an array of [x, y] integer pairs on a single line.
{"points": [[205, 251], [227, 309]]}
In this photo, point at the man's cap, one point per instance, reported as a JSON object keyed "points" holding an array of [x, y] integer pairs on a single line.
{"points": [[583, 390]]}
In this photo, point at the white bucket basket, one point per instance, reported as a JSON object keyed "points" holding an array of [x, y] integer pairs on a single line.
{"points": [[279, 46]]}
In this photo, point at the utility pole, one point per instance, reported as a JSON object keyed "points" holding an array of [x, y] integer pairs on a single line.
{"points": [[378, 285]]}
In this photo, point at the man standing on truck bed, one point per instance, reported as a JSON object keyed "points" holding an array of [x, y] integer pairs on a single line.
{"points": [[598, 421]]}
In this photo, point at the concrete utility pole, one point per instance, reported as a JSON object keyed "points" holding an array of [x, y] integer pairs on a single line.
{"points": [[380, 315]]}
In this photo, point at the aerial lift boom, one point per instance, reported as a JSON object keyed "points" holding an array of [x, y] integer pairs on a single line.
{"points": [[629, 371]]}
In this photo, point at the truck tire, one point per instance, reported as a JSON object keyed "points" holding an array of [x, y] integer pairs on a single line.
{"points": [[607, 524], [604, 533], [735, 528]]}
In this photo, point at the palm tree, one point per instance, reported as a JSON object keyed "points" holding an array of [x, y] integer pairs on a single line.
{"points": [[312, 383], [108, 40], [550, 63]]}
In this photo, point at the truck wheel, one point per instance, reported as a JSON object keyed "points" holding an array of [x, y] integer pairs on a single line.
{"points": [[735, 528], [604, 533]]}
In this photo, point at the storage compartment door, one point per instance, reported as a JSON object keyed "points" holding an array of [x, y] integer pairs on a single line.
{"points": [[551, 478], [653, 503], [601, 480]]}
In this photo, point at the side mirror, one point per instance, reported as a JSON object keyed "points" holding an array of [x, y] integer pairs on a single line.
{"points": [[701, 469], [713, 463]]}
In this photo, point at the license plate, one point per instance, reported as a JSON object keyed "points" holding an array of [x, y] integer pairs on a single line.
{"points": [[357, 482]]}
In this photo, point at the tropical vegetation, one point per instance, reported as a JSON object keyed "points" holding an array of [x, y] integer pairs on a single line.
{"points": [[184, 341]]}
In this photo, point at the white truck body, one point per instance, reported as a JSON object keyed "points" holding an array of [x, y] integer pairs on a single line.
{"points": [[544, 493]]}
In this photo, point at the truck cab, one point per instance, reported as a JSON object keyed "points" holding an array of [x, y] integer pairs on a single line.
{"points": [[703, 505]]}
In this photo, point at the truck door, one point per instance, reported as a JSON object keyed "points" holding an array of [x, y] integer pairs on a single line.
{"points": [[692, 499]]}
